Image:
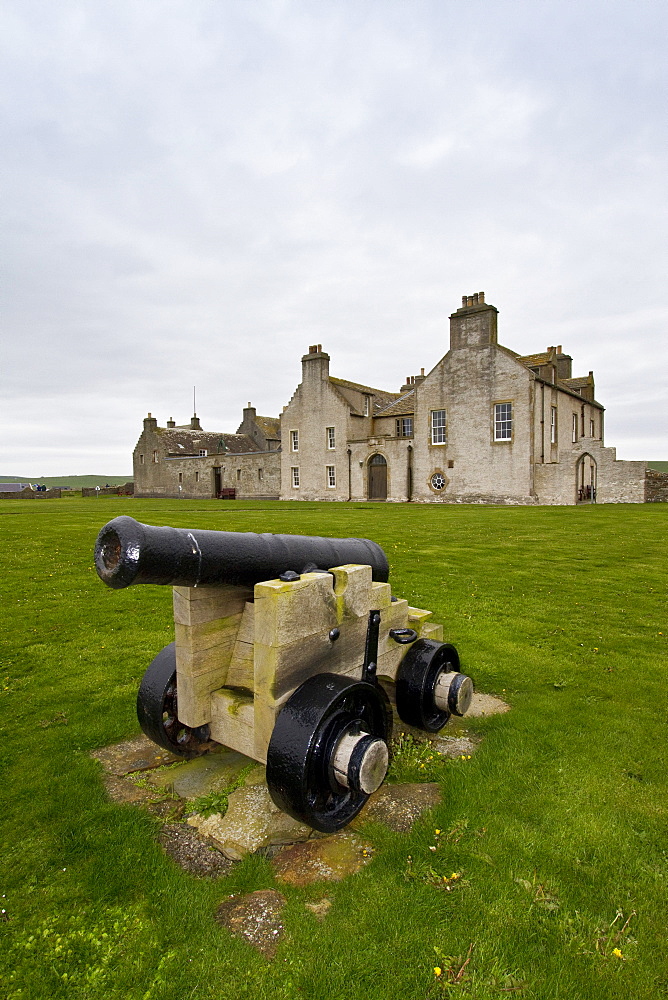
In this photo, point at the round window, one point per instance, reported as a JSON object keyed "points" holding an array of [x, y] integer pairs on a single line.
{"points": [[438, 481]]}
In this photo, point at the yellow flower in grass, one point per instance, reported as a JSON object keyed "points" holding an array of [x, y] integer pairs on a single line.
{"points": [[617, 953], [438, 971]]}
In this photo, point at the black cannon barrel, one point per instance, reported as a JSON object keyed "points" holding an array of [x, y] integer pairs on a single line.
{"points": [[128, 552]]}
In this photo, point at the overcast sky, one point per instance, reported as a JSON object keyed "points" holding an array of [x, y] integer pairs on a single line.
{"points": [[195, 191]]}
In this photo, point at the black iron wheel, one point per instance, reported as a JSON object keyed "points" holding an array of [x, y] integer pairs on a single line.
{"points": [[304, 769], [157, 709], [416, 681]]}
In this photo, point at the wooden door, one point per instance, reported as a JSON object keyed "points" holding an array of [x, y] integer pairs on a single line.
{"points": [[377, 478]]}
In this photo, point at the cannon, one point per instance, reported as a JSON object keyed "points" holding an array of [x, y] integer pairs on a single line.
{"points": [[281, 642]]}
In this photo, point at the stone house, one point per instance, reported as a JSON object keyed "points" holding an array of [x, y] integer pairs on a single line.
{"points": [[485, 425], [186, 461]]}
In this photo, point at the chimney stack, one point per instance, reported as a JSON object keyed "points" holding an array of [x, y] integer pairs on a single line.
{"points": [[474, 325], [315, 364]]}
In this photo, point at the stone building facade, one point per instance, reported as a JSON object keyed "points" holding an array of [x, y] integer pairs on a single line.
{"points": [[186, 461], [485, 425]]}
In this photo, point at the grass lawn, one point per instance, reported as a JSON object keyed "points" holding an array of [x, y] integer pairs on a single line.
{"points": [[557, 825]]}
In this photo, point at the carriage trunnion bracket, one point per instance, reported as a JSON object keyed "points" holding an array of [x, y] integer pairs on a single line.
{"points": [[285, 670]]}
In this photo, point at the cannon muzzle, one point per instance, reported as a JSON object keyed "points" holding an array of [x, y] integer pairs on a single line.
{"points": [[128, 552]]}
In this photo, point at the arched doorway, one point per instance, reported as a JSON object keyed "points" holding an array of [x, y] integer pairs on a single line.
{"points": [[377, 478], [585, 479]]}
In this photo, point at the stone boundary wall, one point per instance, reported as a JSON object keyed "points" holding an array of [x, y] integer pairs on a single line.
{"points": [[656, 486], [126, 490], [28, 494]]}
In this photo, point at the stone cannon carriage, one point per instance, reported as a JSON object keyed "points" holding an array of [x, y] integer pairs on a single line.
{"points": [[280, 643]]}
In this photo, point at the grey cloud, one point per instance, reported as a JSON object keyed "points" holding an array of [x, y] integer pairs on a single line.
{"points": [[196, 192]]}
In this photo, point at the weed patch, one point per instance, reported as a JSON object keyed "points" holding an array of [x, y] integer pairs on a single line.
{"points": [[217, 802]]}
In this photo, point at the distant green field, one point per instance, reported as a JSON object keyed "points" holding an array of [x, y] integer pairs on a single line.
{"points": [[556, 826], [658, 466], [71, 482]]}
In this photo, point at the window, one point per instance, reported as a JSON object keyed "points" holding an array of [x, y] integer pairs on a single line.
{"points": [[438, 426], [575, 428], [141, 459], [295, 476], [331, 476], [331, 438], [553, 426], [591, 428], [155, 456], [238, 474], [405, 427], [503, 421], [294, 440], [202, 453], [260, 474], [438, 481], [197, 477], [180, 477], [366, 406]]}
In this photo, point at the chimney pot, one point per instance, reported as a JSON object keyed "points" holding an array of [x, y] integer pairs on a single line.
{"points": [[481, 298], [469, 300], [422, 372], [559, 350], [475, 299], [463, 302]]}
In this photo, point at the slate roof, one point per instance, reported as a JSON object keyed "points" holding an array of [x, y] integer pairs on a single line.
{"points": [[533, 360], [399, 407], [270, 427], [381, 397], [184, 441], [544, 358], [576, 383]]}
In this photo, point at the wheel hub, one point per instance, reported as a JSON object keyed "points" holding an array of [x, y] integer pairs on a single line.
{"points": [[360, 761], [453, 692]]}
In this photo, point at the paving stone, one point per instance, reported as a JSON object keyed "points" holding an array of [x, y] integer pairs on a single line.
{"points": [[212, 772], [137, 754], [486, 704], [251, 822], [320, 909], [193, 854], [455, 746], [255, 918], [168, 809], [329, 859], [122, 790], [398, 806]]}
